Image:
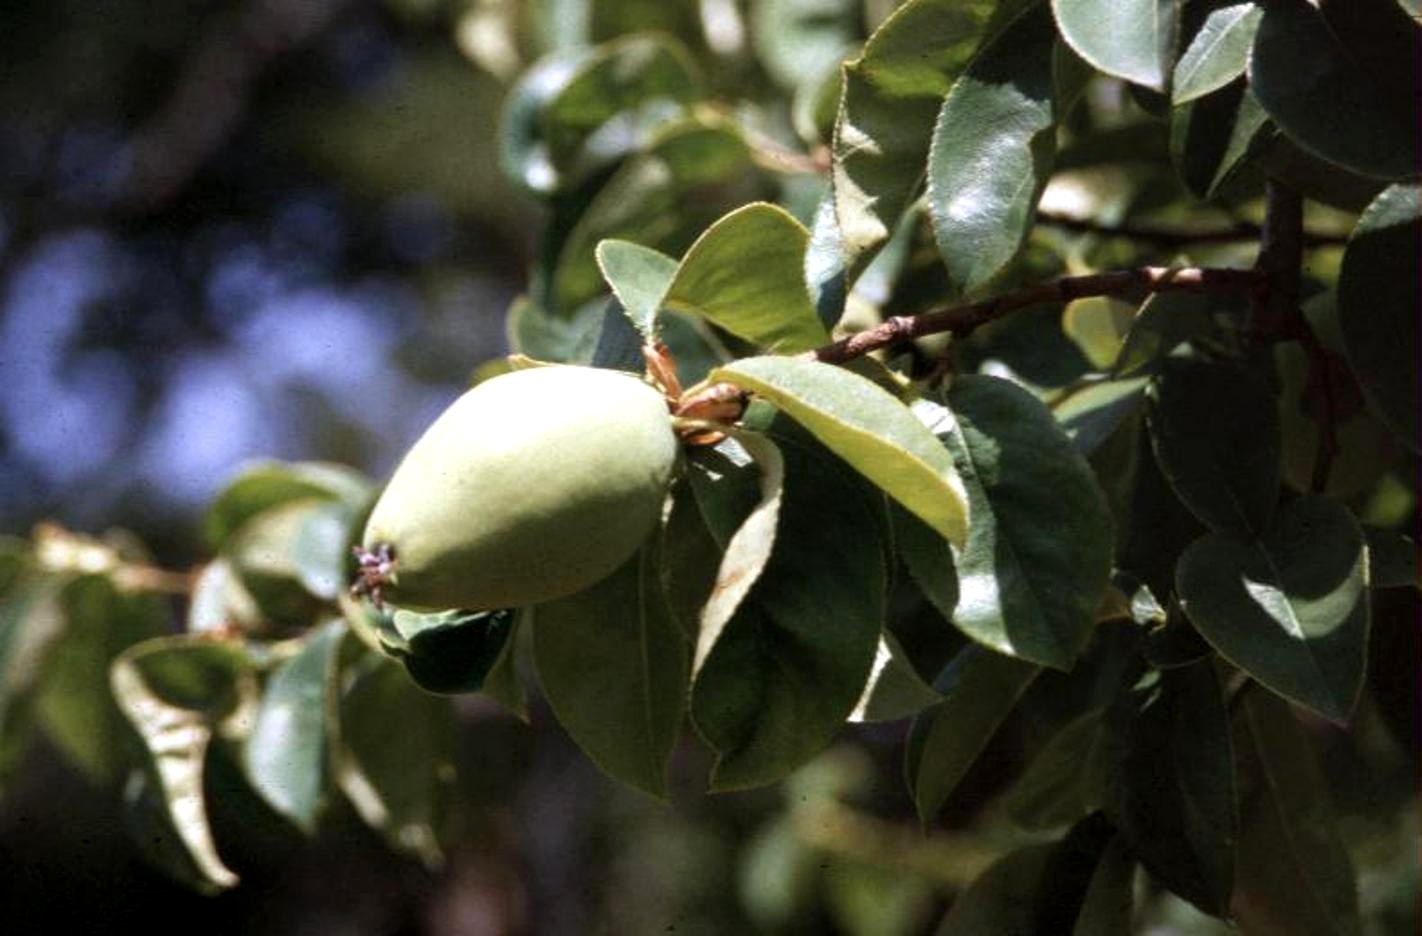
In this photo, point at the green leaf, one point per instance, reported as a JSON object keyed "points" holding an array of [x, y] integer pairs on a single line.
{"points": [[532, 331], [993, 147], [691, 172], [791, 664], [1038, 554], [894, 690], [1393, 560], [523, 151], [891, 95], [1295, 875], [1003, 898], [613, 664], [75, 711], [264, 485], [614, 101], [745, 274], [639, 277], [928, 557], [32, 626], [1214, 136], [395, 779], [1106, 908], [749, 548], [1290, 608], [275, 555], [178, 692], [1129, 39], [1170, 782], [980, 689], [1065, 781], [1162, 323], [795, 38], [866, 427], [1346, 95], [1378, 299], [1217, 53], [451, 652], [284, 757], [1215, 432]]}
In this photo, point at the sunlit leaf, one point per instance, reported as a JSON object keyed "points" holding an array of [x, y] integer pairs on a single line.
{"points": [[284, 756], [1038, 553], [1290, 607], [791, 664], [865, 426], [993, 148], [795, 38], [639, 277], [1130, 39], [745, 274], [1217, 53], [264, 485], [178, 692]]}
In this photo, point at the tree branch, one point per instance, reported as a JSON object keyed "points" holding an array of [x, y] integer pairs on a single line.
{"points": [[1277, 312], [961, 319], [1171, 236]]}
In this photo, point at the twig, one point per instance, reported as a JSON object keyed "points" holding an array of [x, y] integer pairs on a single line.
{"points": [[1170, 236], [961, 319], [1277, 312]]}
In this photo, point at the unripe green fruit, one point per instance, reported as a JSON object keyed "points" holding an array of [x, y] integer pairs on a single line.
{"points": [[531, 486]]}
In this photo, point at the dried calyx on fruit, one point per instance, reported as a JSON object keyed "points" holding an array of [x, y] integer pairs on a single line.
{"points": [[531, 486]]}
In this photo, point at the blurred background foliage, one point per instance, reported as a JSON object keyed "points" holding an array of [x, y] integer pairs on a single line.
{"points": [[234, 229]]}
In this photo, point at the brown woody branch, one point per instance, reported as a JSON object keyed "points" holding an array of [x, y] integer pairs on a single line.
{"points": [[961, 319]]}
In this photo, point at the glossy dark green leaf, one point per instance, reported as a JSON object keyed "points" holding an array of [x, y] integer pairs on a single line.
{"points": [[265, 485], [1378, 299], [1092, 412], [1393, 560], [1130, 39], [523, 151], [980, 689], [639, 277], [1162, 323], [1038, 553], [1003, 898], [1106, 907], [392, 754], [613, 664], [1343, 84], [689, 174], [791, 664], [1170, 783], [1217, 53], [993, 147], [745, 274], [284, 756], [32, 626], [452, 652], [1295, 876], [746, 551], [1290, 608], [928, 557], [616, 98], [894, 690], [1214, 136], [866, 427], [77, 715], [178, 692], [795, 38], [1215, 432], [891, 95], [1065, 781]]}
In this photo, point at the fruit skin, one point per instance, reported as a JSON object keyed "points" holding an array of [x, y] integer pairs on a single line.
{"points": [[531, 486]]}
